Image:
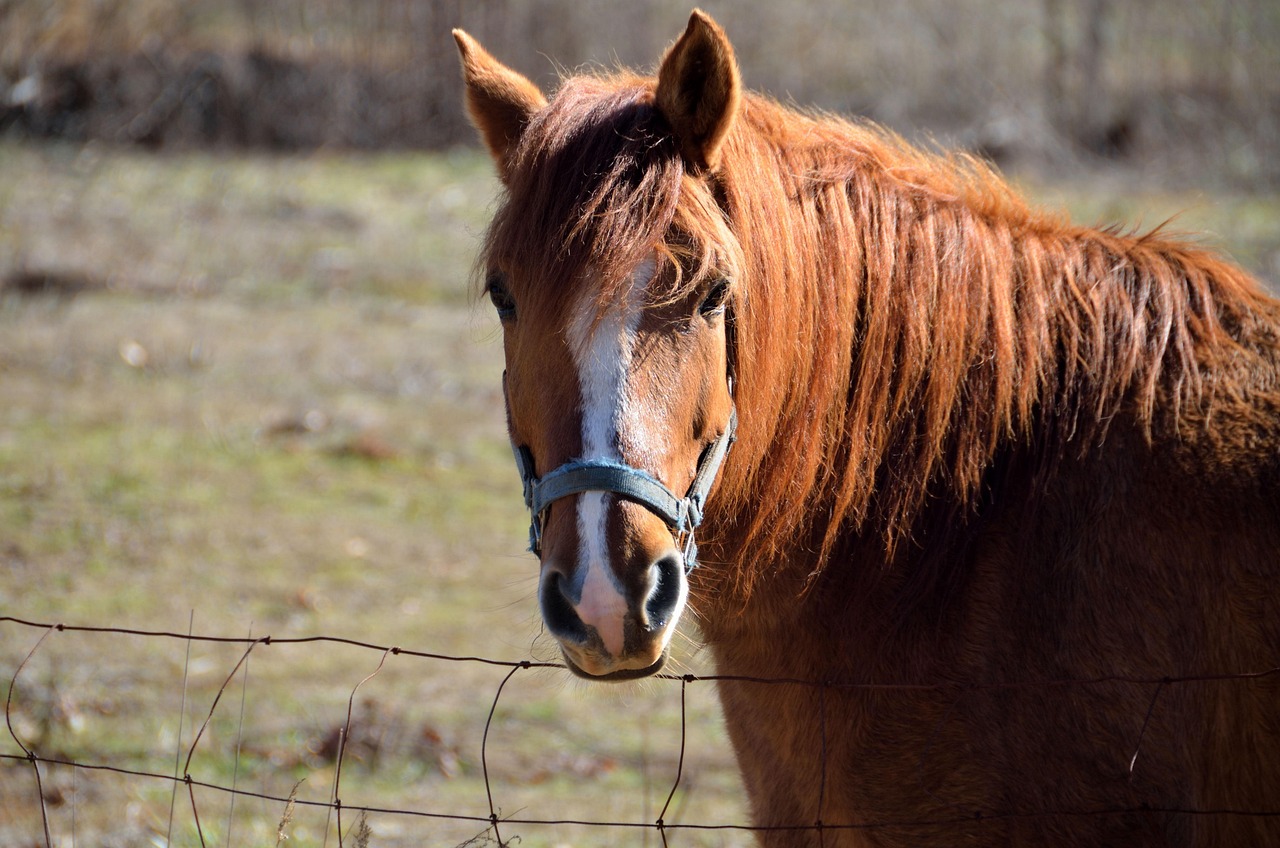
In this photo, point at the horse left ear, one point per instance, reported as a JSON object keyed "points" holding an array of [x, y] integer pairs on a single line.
{"points": [[699, 90], [499, 100]]}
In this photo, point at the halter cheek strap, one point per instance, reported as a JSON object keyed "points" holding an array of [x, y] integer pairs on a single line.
{"points": [[682, 515]]}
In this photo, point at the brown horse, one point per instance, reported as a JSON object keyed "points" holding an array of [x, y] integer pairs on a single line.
{"points": [[1002, 519]]}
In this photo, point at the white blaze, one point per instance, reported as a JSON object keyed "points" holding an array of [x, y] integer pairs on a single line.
{"points": [[602, 351]]}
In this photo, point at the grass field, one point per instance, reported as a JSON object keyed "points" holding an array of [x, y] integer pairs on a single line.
{"points": [[251, 395]]}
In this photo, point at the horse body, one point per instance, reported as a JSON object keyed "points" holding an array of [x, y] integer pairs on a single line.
{"points": [[1000, 532], [1000, 729]]}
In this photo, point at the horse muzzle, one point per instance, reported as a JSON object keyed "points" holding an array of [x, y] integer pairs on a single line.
{"points": [[609, 628], [607, 632]]}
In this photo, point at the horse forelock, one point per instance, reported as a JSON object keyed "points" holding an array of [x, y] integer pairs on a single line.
{"points": [[597, 187]]}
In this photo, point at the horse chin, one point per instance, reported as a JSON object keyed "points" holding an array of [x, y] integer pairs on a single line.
{"points": [[621, 674]]}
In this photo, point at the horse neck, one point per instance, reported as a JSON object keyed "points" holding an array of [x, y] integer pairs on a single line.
{"points": [[905, 318], [858, 339]]}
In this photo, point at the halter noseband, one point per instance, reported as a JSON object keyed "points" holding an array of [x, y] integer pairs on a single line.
{"points": [[682, 515]]}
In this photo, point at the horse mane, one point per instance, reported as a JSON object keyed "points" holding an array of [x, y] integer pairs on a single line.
{"points": [[900, 317]]}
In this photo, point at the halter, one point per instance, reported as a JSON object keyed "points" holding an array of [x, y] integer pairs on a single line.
{"points": [[682, 515]]}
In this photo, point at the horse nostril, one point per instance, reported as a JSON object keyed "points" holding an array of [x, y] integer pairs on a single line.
{"points": [[558, 612], [664, 601]]}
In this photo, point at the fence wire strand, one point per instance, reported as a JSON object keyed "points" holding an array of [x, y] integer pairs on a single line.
{"points": [[30, 754], [335, 806]]}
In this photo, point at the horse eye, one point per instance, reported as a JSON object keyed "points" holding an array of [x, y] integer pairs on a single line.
{"points": [[714, 302], [500, 297]]}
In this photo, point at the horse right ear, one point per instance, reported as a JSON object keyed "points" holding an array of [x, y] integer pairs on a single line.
{"points": [[499, 100], [699, 90]]}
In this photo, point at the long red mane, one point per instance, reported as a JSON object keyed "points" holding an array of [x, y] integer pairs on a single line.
{"points": [[900, 318]]}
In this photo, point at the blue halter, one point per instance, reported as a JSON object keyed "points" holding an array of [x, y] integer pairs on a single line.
{"points": [[682, 515]]}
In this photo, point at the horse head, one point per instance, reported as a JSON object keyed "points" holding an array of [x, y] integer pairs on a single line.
{"points": [[611, 268]]}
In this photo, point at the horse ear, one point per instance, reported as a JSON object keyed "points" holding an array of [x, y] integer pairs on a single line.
{"points": [[699, 90], [499, 100]]}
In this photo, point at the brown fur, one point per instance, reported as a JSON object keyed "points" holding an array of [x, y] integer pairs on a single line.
{"points": [[698, 91], [982, 452]]}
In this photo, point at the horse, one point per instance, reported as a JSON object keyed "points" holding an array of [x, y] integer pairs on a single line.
{"points": [[986, 503]]}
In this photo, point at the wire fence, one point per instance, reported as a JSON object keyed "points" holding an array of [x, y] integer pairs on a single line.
{"points": [[495, 827]]}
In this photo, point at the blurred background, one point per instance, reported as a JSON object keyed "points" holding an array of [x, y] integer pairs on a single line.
{"points": [[245, 388], [1178, 87]]}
